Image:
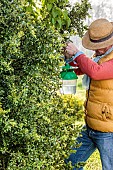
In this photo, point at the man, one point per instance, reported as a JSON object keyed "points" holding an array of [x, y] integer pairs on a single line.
{"points": [[98, 132]]}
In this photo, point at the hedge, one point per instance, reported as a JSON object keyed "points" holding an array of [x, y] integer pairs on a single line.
{"points": [[37, 125]]}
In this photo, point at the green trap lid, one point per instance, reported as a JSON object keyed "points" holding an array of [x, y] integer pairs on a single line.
{"points": [[68, 73]]}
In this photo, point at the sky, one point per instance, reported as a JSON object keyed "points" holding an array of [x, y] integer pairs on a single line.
{"points": [[95, 1], [109, 2]]}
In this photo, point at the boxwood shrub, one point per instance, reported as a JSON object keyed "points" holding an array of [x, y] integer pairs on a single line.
{"points": [[37, 125]]}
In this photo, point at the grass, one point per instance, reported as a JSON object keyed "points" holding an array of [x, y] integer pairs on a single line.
{"points": [[93, 162]]}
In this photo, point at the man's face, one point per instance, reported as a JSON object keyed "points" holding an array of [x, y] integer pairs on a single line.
{"points": [[102, 50]]}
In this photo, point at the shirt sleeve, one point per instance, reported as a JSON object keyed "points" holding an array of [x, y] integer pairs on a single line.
{"points": [[77, 70], [94, 70]]}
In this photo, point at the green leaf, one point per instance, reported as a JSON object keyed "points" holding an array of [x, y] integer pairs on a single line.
{"points": [[53, 21], [54, 12], [68, 22], [49, 7], [60, 22], [65, 14], [29, 9]]}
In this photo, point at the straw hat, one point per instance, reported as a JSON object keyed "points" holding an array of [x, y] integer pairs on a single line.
{"points": [[99, 35]]}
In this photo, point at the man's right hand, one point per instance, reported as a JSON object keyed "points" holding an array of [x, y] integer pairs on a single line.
{"points": [[71, 49]]}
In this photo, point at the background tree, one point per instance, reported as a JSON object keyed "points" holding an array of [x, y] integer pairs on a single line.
{"points": [[66, 18], [37, 125]]}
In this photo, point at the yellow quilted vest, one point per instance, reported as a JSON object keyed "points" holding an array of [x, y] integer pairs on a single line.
{"points": [[99, 105]]}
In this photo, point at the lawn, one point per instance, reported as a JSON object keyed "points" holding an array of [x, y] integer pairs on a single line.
{"points": [[93, 162]]}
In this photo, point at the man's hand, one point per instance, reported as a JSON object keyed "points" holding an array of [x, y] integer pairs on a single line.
{"points": [[71, 49], [67, 55]]}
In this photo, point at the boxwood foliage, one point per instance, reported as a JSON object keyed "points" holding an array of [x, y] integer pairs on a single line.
{"points": [[37, 126]]}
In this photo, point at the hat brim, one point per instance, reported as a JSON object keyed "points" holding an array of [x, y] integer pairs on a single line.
{"points": [[94, 46]]}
